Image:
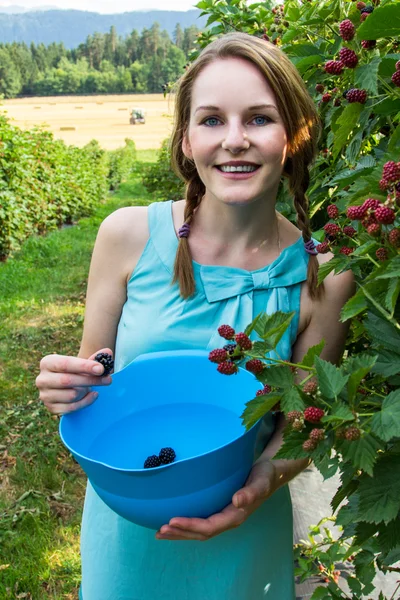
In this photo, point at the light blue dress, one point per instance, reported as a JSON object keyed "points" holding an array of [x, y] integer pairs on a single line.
{"points": [[123, 561]]}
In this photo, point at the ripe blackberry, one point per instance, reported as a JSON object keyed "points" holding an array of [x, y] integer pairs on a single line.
{"points": [[347, 30], [230, 348], [349, 231], [385, 215], [293, 415], [244, 341], [317, 435], [319, 88], [226, 331], [151, 462], [345, 93], [322, 248], [266, 390], [352, 433], [167, 455], [374, 229], [313, 414], [355, 95], [326, 97], [254, 365], [368, 44], [227, 368], [298, 424], [355, 213], [382, 254], [310, 387], [371, 204], [394, 237], [309, 445], [367, 9], [396, 78], [334, 67], [106, 360], [348, 57], [391, 171], [346, 250], [368, 220], [333, 211], [218, 355], [331, 229]]}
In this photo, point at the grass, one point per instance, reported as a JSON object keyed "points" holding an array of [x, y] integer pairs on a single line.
{"points": [[42, 299]]}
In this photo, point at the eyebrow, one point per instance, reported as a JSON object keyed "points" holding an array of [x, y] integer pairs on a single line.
{"points": [[256, 107]]}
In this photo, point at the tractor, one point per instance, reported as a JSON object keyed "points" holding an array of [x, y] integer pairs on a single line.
{"points": [[137, 116]]}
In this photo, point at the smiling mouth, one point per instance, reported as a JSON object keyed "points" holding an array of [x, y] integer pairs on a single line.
{"points": [[239, 169]]}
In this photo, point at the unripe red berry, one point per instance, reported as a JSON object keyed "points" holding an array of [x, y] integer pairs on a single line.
{"points": [[331, 229], [319, 88], [226, 331], [244, 341], [254, 365], [363, 16], [360, 5], [317, 435], [346, 250], [293, 415], [355, 212], [310, 387], [298, 424], [326, 97], [322, 248], [394, 237], [347, 30], [382, 254], [334, 67], [371, 204], [333, 211], [309, 445], [218, 356], [340, 433], [266, 390], [385, 215], [348, 57], [349, 231], [352, 433], [368, 44], [313, 414], [355, 95], [374, 229], [368, 220], [391, 171], [396, 78], [227, 368]]}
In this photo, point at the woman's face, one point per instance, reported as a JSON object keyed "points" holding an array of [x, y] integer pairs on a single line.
{"points": [[234, 122]]}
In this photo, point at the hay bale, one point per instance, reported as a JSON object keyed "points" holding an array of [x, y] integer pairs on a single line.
{"points": [[37, 107], [78, 106], [122, 109], [99, 102], [68, 128], [52, 103]]}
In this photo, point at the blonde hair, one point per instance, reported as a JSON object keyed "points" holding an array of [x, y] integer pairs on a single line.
{"points": [[301, 123]]}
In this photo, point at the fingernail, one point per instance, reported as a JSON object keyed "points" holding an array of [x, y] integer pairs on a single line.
{"points": [[98, 369], [95, 395]]}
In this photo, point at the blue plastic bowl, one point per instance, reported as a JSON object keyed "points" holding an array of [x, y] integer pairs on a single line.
{"points": [[175, 399]]}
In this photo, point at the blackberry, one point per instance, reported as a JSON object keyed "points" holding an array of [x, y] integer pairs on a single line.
{"points": [[360, 5], [385, 215], [292, 415], [322, 248], [319, 88], [332, 229], [346, 250], [396, 78], [333, 211], [367, 9], [254, 365], [106, 360], [356, 212], [266, 390], [230, 348], [394, 237], [313, 414], [348, 57], [347, 30], [227, 368], [310, 387], [333, 67], [317, 435], [226, 331], [382, 254], [371, 204], [167, 456], [218, 355], [352, 433], [391, 171], [374, 229], [349, 231], [326, 97], [345, 93], [244, 341], [355, 95], [151, 462], [309, 445]]}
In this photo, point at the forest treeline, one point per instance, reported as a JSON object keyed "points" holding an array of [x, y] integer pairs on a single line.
{"points": [[105, 63]]}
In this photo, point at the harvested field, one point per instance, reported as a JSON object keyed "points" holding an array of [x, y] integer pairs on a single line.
{"points": [[104, 118]]}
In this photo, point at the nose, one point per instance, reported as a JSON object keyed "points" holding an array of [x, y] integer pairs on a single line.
{"points": [[236, 139]]}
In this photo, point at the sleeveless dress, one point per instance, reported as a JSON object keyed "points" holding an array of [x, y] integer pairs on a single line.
{"points": [[123, 561]]}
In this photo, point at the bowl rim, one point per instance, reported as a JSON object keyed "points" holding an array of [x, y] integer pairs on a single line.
{"points": [[145, 357]]}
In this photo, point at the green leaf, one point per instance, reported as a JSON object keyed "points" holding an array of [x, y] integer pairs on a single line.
{"points": [[360, 366], [292, 400], [348, 121], [339, 412], [327, 465], [361, 453], [251, 326], [331, 379], [320, 593], [392, 557], [392, 294], [312, 352], [387, 364], [257, 408], [392, 269], [389, 535], [303, 50], [356, 305], [275, 326], [382, 332], [380, 495], [292, 446], [365, 248], [387, 107], [366, 76], [336, 264], [384, 22], [386, 423], [388, 65], [348, 513], [394, 143], [346, 490], [278, 376]]}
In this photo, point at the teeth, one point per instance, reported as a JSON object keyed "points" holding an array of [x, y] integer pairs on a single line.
{"points": [[241, 169]]}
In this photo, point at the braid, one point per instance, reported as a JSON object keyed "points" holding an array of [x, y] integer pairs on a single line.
{"points": [[303, 222], [183, 267]]}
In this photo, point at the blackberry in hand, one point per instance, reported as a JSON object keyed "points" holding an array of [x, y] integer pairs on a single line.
{"points": [[106, 360], [167, 456], [151, 462]]}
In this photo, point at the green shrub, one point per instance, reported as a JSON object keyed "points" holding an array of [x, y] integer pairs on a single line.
{"points": [[160, 180], [120, 163]]}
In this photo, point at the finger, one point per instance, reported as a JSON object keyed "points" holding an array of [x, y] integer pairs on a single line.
{"points": [[70, 364], [63, 396], [49, 380], [174, 534], [63, 409], [229, 518]]}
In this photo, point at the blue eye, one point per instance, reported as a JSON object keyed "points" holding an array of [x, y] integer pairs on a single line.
{"points": [[207, 121], [264, 120]]}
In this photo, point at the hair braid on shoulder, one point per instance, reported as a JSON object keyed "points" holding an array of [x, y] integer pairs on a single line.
{"points": [[183, 267]]}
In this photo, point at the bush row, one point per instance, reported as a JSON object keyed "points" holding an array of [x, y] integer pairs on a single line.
{"points": [[44, 183]]}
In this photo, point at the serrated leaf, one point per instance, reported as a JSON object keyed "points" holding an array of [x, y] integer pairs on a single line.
{"points": [[327, 465], [338, 412], [356, 305], [394, 142], [392, 557], [382, 332], [387, 107], [362, 453], [386, 423], [292, 446], [387, 364], [347, 488], [292, 400], [347, 121], [366, 76], [275, 326], [348, 513], [303, 50], [331, 379], [309, 357], [355, 586], [389, 535], [365, 248], [257, 408], [383, 22], [392, 294], [380, 494], [361, 365], [320, 593], [278, 376], [251, 326], [258, 349], [392, 269]]}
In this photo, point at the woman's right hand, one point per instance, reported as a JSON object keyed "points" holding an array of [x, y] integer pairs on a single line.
{"points": [[64, 381]]}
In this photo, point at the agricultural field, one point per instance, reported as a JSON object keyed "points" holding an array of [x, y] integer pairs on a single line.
{"points": [[79, 119]]}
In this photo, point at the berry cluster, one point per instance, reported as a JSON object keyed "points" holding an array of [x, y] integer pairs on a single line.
{"points": [[225, 357], [166, 456]]}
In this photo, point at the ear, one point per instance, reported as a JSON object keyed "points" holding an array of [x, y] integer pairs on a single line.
{"points": [[186, 148]]}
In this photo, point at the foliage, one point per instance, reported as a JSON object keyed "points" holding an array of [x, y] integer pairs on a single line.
{"points": [[120, 163], [160, 180]]}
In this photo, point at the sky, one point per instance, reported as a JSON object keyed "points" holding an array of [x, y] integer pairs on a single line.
{"points": [[106, 6]]}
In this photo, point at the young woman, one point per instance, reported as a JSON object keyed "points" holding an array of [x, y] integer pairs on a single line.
{"points": [[165, 277]]}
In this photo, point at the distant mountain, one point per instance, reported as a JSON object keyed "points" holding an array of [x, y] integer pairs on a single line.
{"points": [[11, 10], [73, 26]]}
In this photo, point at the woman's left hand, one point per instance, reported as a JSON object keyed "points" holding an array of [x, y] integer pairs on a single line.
{"points": [[260, 485]]}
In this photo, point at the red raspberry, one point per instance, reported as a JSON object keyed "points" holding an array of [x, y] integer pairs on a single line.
{"points": [[394, 237], [348, 57], [374, 229], [371, 204], [346, 250], [317, 435], [368, 44], [391, 171], [355, 212], [398, 65], [382, 254], [322, 248], [332, 211], [355, 95], [360, 5], [298, 424], [334, 67], [266, 390], [254, 365], [326, 98], [218, 356], [349, 231], [331, 229], [385, 215], [309, 445], [226, 331], [293, 415], [319, 88], [352, 433], [227, 368], [396, 78], [244, 341], [313, 414], [310, 387], [347, 30]]}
